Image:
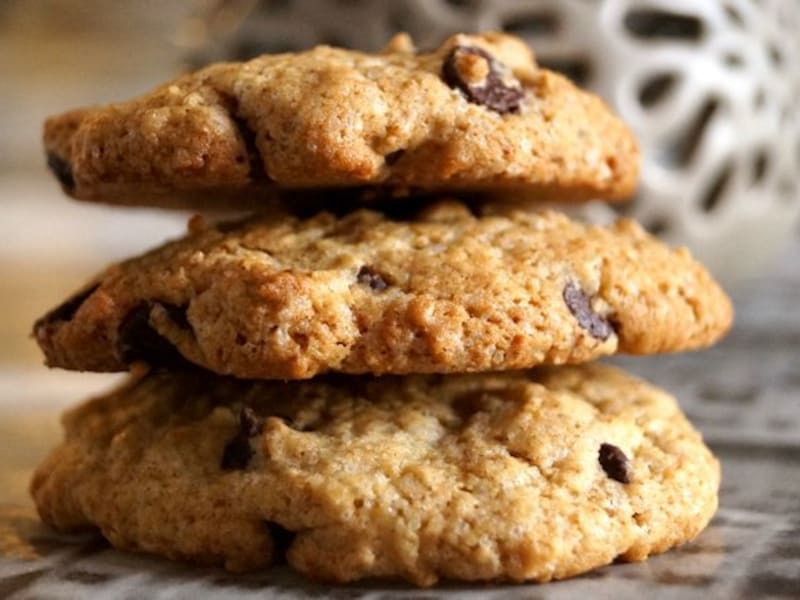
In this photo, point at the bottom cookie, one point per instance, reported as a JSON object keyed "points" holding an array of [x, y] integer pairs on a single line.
{"points": [[534, 475]]}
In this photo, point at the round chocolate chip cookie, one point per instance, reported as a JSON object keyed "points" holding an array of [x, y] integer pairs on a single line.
{"points": [[516, 476], [283, 297], [477, 113]]}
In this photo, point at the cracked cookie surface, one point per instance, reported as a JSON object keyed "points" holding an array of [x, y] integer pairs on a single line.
{"points": [[518, 476], [475, 114], [282, 297]]}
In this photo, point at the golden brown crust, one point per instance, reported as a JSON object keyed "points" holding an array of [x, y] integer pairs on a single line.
{"points": [[330, 118], [471, 477], [281, 297]]}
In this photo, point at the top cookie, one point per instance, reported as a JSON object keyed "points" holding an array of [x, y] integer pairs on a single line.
{"points": [[475, 114], [281, 297]]}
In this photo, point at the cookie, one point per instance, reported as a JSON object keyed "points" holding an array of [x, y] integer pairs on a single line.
{"points": [[475, 114], [283, 297], [516, 476]]}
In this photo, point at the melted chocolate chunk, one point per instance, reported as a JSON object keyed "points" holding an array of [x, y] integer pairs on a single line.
{"points": [[493, 92], [614, 463], [137, 340], [237, 453], [282, 538], [369, 276], [66, 310], [580, 306], [62, 170]]}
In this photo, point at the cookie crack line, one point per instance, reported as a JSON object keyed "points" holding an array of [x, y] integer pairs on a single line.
{"points": [[253, 155], [361, 293], [476, 114]]}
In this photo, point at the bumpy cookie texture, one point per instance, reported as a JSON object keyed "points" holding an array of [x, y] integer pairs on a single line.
{"points": [[281, 297], [477, 113], [473, 477]]}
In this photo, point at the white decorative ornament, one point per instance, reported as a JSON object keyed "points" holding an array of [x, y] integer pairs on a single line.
{"points": [[711, 88]]}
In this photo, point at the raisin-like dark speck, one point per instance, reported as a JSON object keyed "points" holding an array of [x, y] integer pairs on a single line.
{"points": [[238, 452], [369, 276]]}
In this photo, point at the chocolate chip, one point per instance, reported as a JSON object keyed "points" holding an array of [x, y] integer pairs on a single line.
{"points": [[66, 310], [137, 340], [369, 276], [282, 538], [62, 170], [393, 157], [237, 453], [494, 92], [580, 306], [614, 463]]}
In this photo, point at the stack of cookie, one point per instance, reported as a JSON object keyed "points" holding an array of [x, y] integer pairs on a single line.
{"points": [[417, 445]]}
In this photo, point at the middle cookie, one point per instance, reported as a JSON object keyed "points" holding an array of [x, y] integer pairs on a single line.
{"points": [[283, 297]]}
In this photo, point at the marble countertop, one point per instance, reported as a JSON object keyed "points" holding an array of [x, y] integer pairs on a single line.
{"points": [[744, 394]]}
